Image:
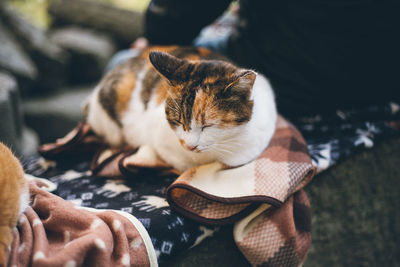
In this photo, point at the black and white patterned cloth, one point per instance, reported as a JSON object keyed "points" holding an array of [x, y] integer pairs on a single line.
{"points": [[332, 138]]}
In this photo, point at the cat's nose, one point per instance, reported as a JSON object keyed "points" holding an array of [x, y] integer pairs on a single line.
{"points": [[191, 148], [188, 147]]}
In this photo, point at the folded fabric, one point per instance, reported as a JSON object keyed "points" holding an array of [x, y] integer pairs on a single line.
{"points": [[276, 237], [80, 140], [55, 232]]}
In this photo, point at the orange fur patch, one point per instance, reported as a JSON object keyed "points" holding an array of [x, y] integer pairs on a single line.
{"points": [[203, 108], [124, 90], [210, 79], [203, 51], [182, 142], [228, 119], [192, 57], [162, 91]]}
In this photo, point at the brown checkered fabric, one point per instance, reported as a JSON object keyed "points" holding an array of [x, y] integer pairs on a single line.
{"points": [[277, 237]]}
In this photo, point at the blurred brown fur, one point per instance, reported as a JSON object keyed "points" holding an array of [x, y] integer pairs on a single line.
{"points": [[12, 186]]}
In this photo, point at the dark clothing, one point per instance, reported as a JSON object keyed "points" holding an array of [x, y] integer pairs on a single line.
{"points": [[180, 21], [320, 55]]}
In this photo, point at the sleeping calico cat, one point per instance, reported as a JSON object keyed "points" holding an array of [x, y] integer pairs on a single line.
{"points": [[14, 197], [188, 106]]}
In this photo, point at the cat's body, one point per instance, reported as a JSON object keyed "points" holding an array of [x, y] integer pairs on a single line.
{"points": [[198, 111], [14, 196]]}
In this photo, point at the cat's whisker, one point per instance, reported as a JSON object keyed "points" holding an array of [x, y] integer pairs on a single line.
{"points": [[219, 153], [233, 141], [176, 103], [173, 108], [173, 99], [224, 150], [237, 146], [207, 149], [229, 139], [230, 143]]}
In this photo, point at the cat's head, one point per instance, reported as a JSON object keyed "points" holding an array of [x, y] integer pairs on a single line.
{"points": [[208, 102]]}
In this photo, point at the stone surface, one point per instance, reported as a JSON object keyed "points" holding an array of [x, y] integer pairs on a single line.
{"points": [[13, 133], [29, 142], [8, 129], [124, 25], [14, 59], [89, 52], [55, 115], [9, 85], [49, 58]]}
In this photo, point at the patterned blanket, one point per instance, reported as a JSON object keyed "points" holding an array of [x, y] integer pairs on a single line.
{"points": [[263, 199]]}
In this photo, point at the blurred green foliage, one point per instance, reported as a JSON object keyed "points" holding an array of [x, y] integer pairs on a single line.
{"points": [[36, 10], [137, 5]]}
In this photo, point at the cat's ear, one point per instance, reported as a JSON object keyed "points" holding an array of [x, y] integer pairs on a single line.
{"points": [[169, 66], [243, 83]]}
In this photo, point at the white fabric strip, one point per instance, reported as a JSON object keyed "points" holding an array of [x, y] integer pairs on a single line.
{"points": [[139, 226]]}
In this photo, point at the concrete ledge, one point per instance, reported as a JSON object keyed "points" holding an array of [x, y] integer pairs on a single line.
{"points": [[55, 115], [21, 140], [8, 129]]}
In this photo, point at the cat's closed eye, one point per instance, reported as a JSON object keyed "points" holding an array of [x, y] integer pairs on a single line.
{"points": [[206, 126], [176, 122]]}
